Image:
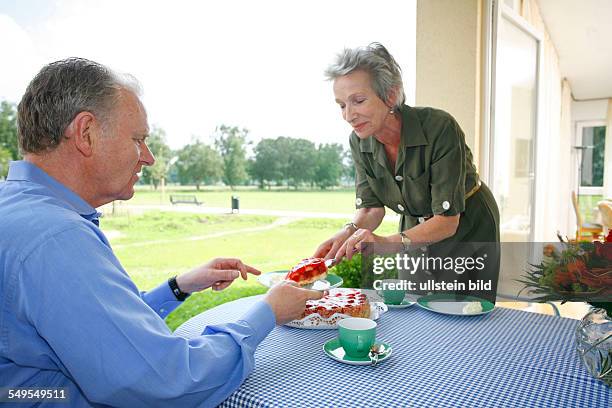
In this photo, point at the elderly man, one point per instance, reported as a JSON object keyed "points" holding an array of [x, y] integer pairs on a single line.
{"points": [[70, 316]]}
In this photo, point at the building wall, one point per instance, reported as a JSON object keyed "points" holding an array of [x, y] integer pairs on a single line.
{"points": [[448, 62], [589, 110]]}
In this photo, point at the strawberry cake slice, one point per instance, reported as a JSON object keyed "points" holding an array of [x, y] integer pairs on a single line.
{"points": [[308, 271]]}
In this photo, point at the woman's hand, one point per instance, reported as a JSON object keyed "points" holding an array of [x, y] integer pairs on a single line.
{"points": [[329, 248], [218, 274], [353, 243]]}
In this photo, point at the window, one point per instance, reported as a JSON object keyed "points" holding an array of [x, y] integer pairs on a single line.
{"points": [[592, 160]]}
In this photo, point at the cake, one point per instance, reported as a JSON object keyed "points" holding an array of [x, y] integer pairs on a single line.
{"points": [[351, 302], [472, 308], [308, 271]]}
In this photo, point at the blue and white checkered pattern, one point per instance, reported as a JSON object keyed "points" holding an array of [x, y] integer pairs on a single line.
{"points": [[507, 358]]}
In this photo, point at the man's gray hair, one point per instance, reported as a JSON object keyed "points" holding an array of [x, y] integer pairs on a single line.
{"points": [[59, 92], [385, 73]]}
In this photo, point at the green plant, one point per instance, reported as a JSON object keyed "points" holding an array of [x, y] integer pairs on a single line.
{"points": [[579, 271], [349, 271]]}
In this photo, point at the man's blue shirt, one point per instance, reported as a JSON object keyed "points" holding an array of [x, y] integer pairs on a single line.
{"points": [[70, 316]]}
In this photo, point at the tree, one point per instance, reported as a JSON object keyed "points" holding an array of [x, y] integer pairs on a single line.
{"points": [[348, 167], [8, 129], [266, 167], [301, 162], [199, 164], [230, 142], [5, 158], [157, 144], [329, 167]]}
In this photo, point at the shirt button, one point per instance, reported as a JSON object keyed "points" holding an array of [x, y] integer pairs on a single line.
{"points": [[421, 220], [400, 207], [399, 178], [446, 205], [358, 201], [162, 310]]}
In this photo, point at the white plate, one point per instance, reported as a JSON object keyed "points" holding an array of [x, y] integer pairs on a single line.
{"points": [[441, 303], [272, 278]]}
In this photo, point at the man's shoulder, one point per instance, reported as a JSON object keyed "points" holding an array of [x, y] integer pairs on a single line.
{"points": [[28, 219]]}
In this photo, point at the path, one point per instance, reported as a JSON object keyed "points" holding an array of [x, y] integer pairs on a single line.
{"points": [[277, 223]]}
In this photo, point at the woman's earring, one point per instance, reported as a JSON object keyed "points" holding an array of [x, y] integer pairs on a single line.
{"points": [[392, 111]]}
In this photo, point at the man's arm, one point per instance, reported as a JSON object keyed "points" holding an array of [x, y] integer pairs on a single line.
{"points": [[114, 346]]}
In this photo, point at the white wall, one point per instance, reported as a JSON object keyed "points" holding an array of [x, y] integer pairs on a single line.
{"points": [[589, 110]]}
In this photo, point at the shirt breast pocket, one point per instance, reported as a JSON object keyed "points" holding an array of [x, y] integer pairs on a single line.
{"points": [[418, 194]]}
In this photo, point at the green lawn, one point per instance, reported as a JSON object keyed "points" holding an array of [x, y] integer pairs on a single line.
{"points": [[587, 205], [157, 245], [336, 201]]}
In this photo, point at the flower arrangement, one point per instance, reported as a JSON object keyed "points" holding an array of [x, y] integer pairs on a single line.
{"points": [[580, 271]]}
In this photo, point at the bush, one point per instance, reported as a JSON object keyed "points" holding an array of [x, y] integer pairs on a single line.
{"points": [[349, 271]]}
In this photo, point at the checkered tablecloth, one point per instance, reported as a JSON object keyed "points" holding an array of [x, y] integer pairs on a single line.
{"points": [[507, 358]]}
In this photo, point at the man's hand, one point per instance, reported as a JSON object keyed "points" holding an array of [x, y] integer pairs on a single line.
{"points": [[288, 301], [218, 274]]}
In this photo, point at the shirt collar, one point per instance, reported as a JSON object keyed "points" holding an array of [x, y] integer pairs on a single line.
{"points": [[412, 132], [25, 171]]}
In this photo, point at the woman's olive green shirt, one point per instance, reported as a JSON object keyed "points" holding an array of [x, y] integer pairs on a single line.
{"points": [[433, 173]]}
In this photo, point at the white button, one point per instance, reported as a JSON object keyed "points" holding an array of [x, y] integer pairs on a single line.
{"points": [[399, 178], [421, 220], [446, 205], [400, 207], [358, 201]]}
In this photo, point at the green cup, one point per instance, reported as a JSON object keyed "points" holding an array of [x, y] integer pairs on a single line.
{"points": [[390, 294], [357, 335]]}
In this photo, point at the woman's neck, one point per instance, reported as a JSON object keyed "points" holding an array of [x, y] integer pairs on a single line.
{"points": [[390, 134]]}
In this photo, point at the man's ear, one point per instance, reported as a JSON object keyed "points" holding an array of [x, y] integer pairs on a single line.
{"points": [[82, 130]]}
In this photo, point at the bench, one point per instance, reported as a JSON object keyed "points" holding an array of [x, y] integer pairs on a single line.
{"points": [[184, 199]]}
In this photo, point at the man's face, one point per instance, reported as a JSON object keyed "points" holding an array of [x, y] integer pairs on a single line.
{"points": [[122, 150]]}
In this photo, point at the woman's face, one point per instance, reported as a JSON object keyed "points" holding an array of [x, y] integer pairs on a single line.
{"points": [[360, 105]]}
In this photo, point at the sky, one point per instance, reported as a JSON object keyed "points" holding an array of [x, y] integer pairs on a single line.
{"points": [[253, 64]]}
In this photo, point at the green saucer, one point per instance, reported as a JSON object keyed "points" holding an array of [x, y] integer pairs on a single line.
{"points": [[334, 350], [405, 303]]}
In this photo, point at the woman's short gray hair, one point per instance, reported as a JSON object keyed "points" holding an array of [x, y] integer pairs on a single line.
{"points": [[385, 73], [59, 92]]}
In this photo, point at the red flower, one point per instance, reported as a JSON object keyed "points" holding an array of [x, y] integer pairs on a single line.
{"points": [[604, 249], [565, 277]]}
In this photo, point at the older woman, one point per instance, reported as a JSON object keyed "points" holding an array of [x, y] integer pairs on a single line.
{"points": [[411, 160]]}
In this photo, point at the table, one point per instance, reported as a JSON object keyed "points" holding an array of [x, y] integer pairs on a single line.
{"points": [[507, 358]]}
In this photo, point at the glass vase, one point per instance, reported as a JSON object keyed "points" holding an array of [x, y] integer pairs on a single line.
{"points": [[594, 344]]}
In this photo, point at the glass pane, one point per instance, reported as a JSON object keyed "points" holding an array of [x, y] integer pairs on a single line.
{"points": [[593, 148], [514, 132]]}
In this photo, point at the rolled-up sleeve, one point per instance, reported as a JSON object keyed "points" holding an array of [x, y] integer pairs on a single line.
{"points": [[448, 171], [112, 344], [365, 197]]}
